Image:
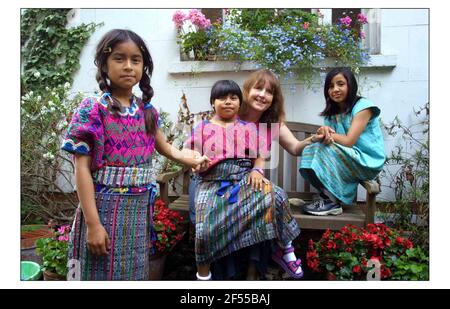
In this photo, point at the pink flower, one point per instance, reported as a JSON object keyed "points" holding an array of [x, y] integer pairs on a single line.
{"points": [[63, 238], [362, 34], [319, 13], [305, 25], [63, 229], [178, 18], [198, 19], [362, 18], [346, 21]]}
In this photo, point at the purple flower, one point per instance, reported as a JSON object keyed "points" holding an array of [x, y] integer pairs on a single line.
{"points": [[346, 21], [362, 18], [363, 35], [178, 18]]}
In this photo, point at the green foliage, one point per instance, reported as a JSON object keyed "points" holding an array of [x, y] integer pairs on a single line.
{"points": [[407, 168], [54, 251], [413, 265], [352, 253], [50, 57], [291, 42], [50, 50]]}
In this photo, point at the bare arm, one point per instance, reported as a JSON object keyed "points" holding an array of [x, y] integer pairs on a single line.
{"points": [[291, 144], [186, 156], [97, 238], [358, 125]]}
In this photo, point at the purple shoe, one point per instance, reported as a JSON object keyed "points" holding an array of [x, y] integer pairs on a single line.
{"points": [[290, 267]]}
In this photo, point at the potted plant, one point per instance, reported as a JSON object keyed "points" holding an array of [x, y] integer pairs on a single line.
{"points": [[290, 42], [169, 227], [373, 252], [196, 35], [54, 253]]}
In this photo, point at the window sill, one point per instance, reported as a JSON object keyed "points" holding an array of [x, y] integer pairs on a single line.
{"points": [[181, 67]]}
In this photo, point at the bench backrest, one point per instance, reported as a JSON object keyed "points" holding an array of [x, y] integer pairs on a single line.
{"points": [[286, 174]]}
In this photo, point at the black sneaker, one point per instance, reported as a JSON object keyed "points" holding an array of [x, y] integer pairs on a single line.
{"points": [[323, 207]]}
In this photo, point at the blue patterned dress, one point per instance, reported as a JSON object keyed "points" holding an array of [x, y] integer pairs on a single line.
{"points": [[340, 168]]}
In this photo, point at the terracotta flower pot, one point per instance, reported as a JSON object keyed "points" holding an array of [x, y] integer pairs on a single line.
{"points": [[51, 276], [157, 264], [331, 276], [29, 234]]}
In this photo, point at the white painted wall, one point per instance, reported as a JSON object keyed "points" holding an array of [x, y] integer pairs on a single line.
{"points": [[404, 33]]}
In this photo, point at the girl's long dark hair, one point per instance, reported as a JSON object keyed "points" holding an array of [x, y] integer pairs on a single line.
{"points": [[104, 50], [331, 107]]}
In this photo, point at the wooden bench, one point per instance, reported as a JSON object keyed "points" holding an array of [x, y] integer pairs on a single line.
{"points": [[294, 186]]}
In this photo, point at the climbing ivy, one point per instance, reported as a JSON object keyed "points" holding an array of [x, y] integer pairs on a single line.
{"points": [[50, 49], [50, 57]]}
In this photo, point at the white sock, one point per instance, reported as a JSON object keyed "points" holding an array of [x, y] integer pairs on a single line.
{"points": [[290, 257], [204, 278]]}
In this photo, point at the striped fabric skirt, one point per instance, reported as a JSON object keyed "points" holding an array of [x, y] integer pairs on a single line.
{"points": [[230, 215], [124, 197], [337, 168]]}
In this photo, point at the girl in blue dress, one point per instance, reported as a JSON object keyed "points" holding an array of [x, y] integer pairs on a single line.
{"points": [[351, 150]]}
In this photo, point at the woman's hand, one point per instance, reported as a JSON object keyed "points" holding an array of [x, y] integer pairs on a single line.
{"points": [[98, 240], [257, 181]]}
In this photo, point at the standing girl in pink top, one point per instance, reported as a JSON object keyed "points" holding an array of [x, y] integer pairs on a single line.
{"points": [[113, 137]]}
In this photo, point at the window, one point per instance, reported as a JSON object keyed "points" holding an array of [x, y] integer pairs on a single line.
{"points": [[372, 29], [213, 14]]}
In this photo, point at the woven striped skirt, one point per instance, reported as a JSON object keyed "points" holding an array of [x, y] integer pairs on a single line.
{"points": [[230, 215], [124, 197], [337, 168]]}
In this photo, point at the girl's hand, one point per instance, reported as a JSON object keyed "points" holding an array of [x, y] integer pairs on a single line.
{"points": [[317, 138], [200, 167], [201, 163], [98, 240], [257, 181], [326, 131]]}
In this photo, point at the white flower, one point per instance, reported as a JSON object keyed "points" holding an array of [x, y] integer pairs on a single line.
{"points": [[37, 74], [53, 134], [48, 156], [67, 85], [39, 98], [50, 103]]}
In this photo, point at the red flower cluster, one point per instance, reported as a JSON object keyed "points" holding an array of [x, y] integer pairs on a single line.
{"points": [[352, 252], [168, 226]]}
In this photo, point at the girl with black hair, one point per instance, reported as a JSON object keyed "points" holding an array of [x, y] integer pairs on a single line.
{"points": [[235, 206], [351, 150], [113, 137]]}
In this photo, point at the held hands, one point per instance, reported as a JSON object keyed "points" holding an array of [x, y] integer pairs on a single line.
{"points": [[201, 162], [98, 240], [326, 133]]}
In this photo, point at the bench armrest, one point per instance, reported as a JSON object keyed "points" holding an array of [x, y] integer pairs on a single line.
{"points": [[163, 181], [166, 177], [372, 186]]}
